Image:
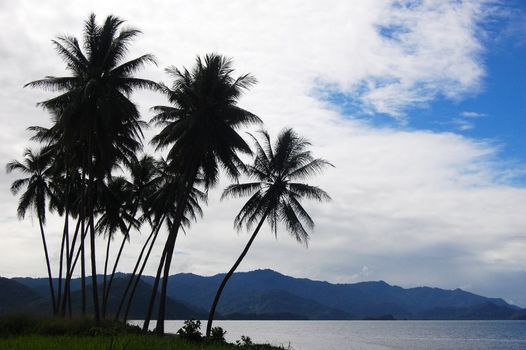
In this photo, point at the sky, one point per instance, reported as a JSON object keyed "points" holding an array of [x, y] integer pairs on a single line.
{"points": [[420, 106]]}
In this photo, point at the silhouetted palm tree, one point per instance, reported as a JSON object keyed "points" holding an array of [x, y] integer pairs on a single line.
{"points": [[116, 214], [94, 109], [201, 130], [144, 181], [275, 194], [164, 207], [37, 191]]}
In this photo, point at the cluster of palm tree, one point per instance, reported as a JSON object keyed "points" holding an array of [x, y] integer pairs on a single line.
{"points": [[91, 169]]}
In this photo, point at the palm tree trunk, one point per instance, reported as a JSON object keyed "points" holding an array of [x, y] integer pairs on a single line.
{"points": [[95, 289], [139, 274], [229, 274], [137, 263], [69, 272], [159, 327], [91, 224], [170, 245], [83, 269], [64, 245], [148, 317], [50, 277], [61, 264], [65, 239], [104, 280], [106, 292], [79, 251]]}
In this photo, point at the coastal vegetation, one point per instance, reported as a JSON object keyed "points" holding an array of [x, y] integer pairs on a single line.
{"points": [[91, 169], [83, 333]]}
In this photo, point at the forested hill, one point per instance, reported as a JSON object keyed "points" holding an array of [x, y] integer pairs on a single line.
{"points": [[267, 294]]}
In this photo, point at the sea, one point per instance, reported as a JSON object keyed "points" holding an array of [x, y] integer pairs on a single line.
{"points": [[376, 335]]}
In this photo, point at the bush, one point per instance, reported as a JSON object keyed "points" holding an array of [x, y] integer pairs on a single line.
{"points": [[245, 341], [191, 330], [217, 335], [16, 325]]}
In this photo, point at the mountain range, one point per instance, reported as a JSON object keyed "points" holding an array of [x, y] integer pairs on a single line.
{"points": [[267, 294]]}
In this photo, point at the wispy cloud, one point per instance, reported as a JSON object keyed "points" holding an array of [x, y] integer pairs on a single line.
{"points": [[463, 124], [420, 51], [469, 114]]}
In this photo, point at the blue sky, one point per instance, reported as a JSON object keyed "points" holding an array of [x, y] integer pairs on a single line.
{"points": [[495, 112]]}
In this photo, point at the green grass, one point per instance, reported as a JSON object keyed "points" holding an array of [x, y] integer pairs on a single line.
{"points": [[120, 342], [30, 332]]}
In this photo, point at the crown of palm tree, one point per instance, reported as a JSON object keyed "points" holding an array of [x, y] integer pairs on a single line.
{"points": [[201, 126], [37, 166], [276, 193], [145, 180], [94, 106], [114, 205], [164, 200]]}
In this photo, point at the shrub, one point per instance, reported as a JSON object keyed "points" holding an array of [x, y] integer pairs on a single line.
{"points": [[245, 341], [191, 330], [217, 335]]}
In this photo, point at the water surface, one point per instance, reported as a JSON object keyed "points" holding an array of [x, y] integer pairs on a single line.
{"points": [[377, 335]]}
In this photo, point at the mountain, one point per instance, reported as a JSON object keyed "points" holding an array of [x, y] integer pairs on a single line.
{"points": [[36, 299], [267, 294], [15, 296], [362, 300]]}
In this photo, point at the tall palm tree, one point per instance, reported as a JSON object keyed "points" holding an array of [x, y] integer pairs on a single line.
{"points": [[275, 193], [63, 170], [94, 109], [201, 131], [36, 166], [165, 208], [116, 214], [144, 181]]}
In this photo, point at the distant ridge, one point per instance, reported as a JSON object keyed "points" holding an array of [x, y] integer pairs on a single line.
{"points": [[267, 294]]}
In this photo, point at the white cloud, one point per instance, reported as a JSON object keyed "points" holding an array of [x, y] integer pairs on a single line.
{"points": [[412, 206], [463, 124], [469, 114]]}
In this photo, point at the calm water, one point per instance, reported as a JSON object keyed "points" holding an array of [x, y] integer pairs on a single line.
{"points": [[377, 335]]}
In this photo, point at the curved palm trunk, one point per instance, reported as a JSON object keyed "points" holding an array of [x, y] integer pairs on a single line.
{"points": [[65, 242], [139, 274], [229, 274], [159, 327], [68, 263], [61, 265], [106, 291], [50, 277], [170, 246], [83, 268], [155, 287], [105, 277], [77, 256], [69, 272], [94, 285], [91, 224]]}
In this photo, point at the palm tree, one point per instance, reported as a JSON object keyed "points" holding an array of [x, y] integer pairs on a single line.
{"points": [[114, 205], [144, 181], [94, 109], [164, 207], [275, 194], [201, 130], [37, 191]]}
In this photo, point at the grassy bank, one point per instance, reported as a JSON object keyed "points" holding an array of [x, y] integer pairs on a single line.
{"points": [[47, 333], [120, 342]]}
